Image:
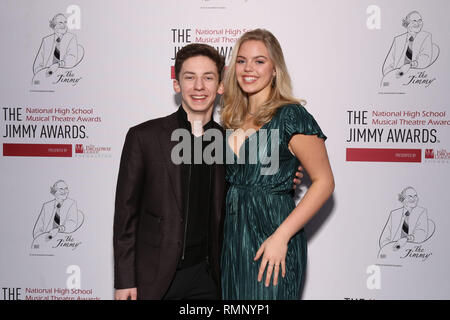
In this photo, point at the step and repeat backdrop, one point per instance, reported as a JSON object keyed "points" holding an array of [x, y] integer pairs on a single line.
{"points": [[379, 94]]}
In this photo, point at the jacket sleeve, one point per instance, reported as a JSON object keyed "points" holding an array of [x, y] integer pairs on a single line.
{"points": [[71, 57], [126, 216], [421, 229], [71, 221], [425, 55]]}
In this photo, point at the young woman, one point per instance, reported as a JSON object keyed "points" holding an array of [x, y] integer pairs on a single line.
{"points": [[264, 251]]}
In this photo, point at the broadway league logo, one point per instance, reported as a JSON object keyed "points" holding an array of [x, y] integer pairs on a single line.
{"points": [[406, 230], [437, 156], [92, 151], [429, 153], [79, 148], [57, 56], [411, 53], [57, 221]]}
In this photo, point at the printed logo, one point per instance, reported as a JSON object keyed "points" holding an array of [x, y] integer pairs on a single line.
{"points": [[429, 154], [407, 230], [58, 56], [92, 151], [410, 54], [437, 156], [57, 222], [79, 148]]}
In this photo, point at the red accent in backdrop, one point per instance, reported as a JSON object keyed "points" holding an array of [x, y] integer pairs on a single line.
{"points": [[384, 155], [36, 150]]}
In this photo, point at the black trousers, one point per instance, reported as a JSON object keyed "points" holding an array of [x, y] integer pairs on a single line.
{"points": [[193, 283]]}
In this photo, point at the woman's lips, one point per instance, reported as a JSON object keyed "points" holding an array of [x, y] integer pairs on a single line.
{"points": [[249, 79]]}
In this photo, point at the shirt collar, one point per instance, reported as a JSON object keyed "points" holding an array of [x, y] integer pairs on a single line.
{"points": [[184, 122]]}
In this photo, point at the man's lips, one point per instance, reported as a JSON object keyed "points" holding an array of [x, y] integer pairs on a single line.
{"points": [[198, 97]]}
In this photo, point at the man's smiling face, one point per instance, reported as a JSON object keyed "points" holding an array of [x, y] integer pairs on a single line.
{"points": [[198, 83]]}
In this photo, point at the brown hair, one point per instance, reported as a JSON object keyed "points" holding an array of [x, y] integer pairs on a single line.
{"points": [[198, 49]]}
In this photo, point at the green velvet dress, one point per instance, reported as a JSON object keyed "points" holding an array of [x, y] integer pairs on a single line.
{"points": [[258, 202]]}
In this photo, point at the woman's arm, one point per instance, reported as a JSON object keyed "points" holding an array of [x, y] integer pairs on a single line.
{"points": [[311, 152]]}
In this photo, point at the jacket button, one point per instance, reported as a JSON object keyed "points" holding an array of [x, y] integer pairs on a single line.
{"points": [[179, 243], [181, 220]]}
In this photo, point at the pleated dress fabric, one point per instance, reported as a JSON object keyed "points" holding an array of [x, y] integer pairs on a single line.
{"points": [[257, 203]]}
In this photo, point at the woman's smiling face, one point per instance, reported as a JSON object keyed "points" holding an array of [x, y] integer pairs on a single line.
{"points": [[254, 68]]}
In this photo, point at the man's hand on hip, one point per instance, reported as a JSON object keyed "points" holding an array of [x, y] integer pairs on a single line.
{"points": [[126, 294]]}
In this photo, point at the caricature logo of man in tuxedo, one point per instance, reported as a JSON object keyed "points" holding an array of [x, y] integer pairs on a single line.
{"points": [[58, 216], [408, 224], [413, 49], [58, 50]]}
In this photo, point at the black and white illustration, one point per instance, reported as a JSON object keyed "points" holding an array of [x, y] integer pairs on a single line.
{"points": [[406, 228], [58, 220], [413, 50], [58, 54]]}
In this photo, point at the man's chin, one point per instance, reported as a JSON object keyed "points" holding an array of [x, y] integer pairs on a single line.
{"points": [[200, 107]]}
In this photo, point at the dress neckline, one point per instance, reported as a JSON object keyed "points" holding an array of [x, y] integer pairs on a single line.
{"points": [[247, 138]]}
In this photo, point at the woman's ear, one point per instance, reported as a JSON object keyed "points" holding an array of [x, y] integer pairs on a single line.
{"points": [[221, 88]]}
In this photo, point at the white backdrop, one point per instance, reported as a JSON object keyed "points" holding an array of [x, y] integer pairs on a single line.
{"points": [[121, 75]]}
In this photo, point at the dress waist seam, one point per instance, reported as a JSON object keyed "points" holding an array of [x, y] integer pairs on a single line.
{"points": [[255, 188]]}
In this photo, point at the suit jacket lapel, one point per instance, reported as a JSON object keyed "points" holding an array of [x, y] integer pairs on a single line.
{"points": [[400, 50], [397, 223], [218, 188], [174, 171]]}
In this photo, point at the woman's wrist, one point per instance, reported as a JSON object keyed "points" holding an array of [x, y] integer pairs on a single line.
{"points": [[282, 234]]}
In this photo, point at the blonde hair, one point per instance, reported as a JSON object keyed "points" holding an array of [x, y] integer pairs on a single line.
{"points": [[235, 101]]}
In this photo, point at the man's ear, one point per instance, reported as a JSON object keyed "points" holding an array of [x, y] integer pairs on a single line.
{"points": [[221, 88], [176, 86]]}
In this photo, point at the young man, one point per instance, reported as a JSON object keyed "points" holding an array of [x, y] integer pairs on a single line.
{"points": [[168, 218], [167, 235]]}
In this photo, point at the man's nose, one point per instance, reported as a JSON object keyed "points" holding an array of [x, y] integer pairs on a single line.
{"points": [[198, 84]]}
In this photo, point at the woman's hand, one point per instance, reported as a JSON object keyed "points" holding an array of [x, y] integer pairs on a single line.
{"points": [[274, 250]]}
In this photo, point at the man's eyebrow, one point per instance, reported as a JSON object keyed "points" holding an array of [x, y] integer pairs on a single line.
{"points": [[192, 72]]}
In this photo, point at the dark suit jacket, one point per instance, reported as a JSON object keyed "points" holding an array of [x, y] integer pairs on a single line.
{"points": [[148, 220]]}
